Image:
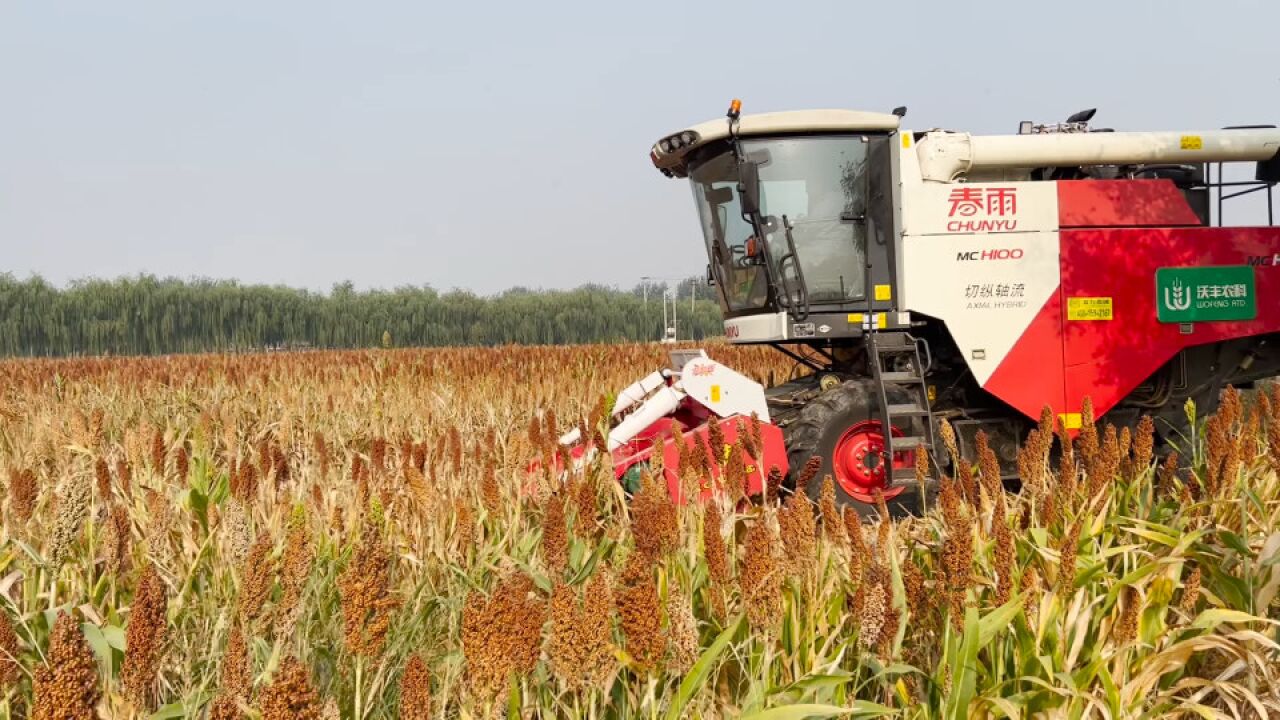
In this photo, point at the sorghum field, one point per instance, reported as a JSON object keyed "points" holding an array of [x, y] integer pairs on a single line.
{"points": [[325, 535]]}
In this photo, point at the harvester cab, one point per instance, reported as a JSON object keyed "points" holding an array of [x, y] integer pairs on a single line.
{"points": [[992, 281]]}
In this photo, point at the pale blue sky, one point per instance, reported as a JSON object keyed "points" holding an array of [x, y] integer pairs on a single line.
{"points": [[483, 145]]}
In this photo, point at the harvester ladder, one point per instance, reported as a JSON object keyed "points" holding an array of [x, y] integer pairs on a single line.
{"points": [[887, 346]]}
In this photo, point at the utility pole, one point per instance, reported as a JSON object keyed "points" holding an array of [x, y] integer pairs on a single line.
{"points": [[665, 324], [675, 323], [644, 288]]}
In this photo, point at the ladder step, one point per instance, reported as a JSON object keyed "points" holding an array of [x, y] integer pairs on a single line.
{"points": [[907, 410], [904, 474], [895, 342], [901, 377], [908, 443]]}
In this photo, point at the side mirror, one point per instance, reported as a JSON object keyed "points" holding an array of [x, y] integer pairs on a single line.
{"points": [[749, 187]]}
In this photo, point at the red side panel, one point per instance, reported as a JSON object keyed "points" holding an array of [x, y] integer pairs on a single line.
{"points": [[1031, 375], [1107, 359], [1122, 203]]}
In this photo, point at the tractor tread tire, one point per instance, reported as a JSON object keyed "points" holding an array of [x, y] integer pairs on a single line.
{"points": [[821, 422]]}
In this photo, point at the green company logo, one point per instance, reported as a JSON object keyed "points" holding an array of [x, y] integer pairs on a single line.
{"points": [[1205, 294]]}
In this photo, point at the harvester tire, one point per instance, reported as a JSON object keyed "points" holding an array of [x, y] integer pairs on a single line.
{"points": [[817, 429]]}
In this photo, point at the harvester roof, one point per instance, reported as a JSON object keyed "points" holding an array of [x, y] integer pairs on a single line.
{"points": [[669, 154]]}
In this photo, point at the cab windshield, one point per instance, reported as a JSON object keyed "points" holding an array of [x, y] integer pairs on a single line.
{"points": [[816, 186]]}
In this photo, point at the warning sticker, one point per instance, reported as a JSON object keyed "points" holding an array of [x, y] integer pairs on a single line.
{"points": [[1089, 308]]}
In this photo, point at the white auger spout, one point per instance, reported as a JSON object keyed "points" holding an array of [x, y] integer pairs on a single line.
{"points": [[947, 156]]}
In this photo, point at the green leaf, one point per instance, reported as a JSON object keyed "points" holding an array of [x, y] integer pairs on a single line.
{"points": [[813, 682], [115, 636], [172, 710], [998, 620], [98, 643], [586, 570], [1156, 537], [513, 699], [963, 657], [1235, 542], [859, 708], [1112, 692], [1216, 616], [698, 673]]}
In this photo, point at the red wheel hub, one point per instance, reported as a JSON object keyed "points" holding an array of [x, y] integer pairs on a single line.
{"points": [[859, 461]]}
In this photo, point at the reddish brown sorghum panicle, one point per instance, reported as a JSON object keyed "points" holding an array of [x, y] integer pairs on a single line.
{"points": [[66, 686], [654, 522], [378, 455], [295, 569], [322, 452], [759, 576], [555, 540], [585, 523], [1068, 550], [124, 475], [102, 476], [1190, 591], [713, 547], [502, 635], [832, 522], [490, 494], [182, 462], [224, 708], [290, 696], [415, 690], [957, 550], [859, 554], [564, 646], [715, 439], [8, 653], [1031, 591], [256, 580], [1068, 471], [1004, 553], [913, 588], [877, 595], [116, 539], [145, 637], [1126, 628], [798, 529], [365, 587], [464, 527], [580, 647], [807, 473], [988, 466], [236, 674], [948, 435], [639, 612], [773, 484], [22, 493], [158, 451]]}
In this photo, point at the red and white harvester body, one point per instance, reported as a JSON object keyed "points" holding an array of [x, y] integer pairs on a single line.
{"points": [[928, 275]]}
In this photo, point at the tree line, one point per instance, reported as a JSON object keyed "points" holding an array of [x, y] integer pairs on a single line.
{"points": [[146, 315]]}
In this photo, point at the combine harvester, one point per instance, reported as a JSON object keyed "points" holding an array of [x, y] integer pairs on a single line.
{"points": [[930, 275]]}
